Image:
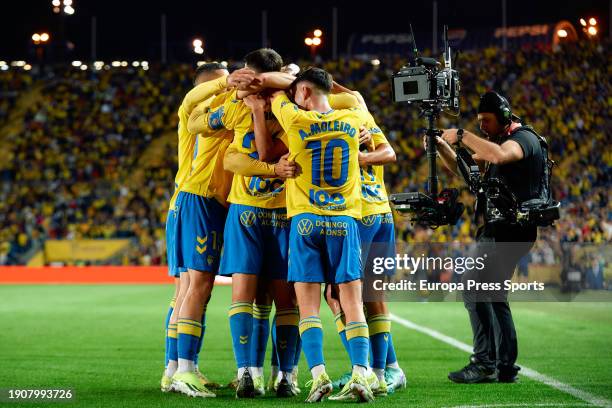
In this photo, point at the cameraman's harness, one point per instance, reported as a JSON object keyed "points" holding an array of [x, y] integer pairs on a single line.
{"points": [[498, 203]]}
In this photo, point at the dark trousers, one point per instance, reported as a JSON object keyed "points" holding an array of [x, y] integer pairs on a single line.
{"points": [[494, 335]]}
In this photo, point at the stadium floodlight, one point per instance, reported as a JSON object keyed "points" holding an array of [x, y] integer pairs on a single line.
{"points": [[144, 63], [135, 63], [375, 62], [592, 21], [67, 2], [124, 63], [76, 63], [116, 63], [40, 38], [562, 33], [198, 46], [83, 67], [55, 3], [69, 10], [314, 41], [4, 67], [583, 22], [27, 67], [592, 31]]}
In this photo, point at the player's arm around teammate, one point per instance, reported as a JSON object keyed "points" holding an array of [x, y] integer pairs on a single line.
{"points": [[197, 111]]}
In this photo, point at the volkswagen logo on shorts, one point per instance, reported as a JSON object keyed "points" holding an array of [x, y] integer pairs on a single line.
{"points": [[304, 226], [368, 220], [247, 218]]}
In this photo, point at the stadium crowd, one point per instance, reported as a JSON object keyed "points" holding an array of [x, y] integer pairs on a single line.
{"points": [[71, 172]]}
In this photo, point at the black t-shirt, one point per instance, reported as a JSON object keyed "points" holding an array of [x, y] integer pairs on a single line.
{"points": [[523, 177]]}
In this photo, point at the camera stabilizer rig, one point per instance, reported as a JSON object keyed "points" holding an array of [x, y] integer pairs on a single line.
{"points": [[497, 202], [433, 90]]}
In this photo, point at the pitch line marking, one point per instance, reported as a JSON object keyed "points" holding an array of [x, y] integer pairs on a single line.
{"points": [[552, 404], [527, 372]]}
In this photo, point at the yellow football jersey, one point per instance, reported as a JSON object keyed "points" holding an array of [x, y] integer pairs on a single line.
{"points": [[373, 191], [186, 146], [207, 177], [187, 141], [263, 192], [325, 146]]}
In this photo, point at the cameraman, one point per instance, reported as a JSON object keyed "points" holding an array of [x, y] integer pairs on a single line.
{"points": [[512, 154]]}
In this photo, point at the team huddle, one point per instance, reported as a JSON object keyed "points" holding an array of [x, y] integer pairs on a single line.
{"points": [[280, 186]]}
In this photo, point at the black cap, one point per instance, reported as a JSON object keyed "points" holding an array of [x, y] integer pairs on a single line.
{"points": [[492, 102]]}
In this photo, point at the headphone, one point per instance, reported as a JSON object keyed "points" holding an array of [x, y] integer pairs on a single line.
{"points": [[503, 112]]}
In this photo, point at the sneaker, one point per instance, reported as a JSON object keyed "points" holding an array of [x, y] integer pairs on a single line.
{"points": [[319, 388], [205, 381], [188, 383], [284, 389], [345, 394], [245, 387], [395, 379], [379, 388], [166, 383], [273, 383], [356, 389], [258, 383], [294, 381], [473, 373], [508, 374], [341, 382]]}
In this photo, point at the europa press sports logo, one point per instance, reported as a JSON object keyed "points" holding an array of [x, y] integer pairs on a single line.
{"points": [[247, 218], [304, 226]]}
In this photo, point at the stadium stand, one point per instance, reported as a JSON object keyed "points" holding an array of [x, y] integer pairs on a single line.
{"points": [[95, 155]]}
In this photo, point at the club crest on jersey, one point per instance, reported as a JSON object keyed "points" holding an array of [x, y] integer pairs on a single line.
{"points": [[304, 227], [247, 218]]}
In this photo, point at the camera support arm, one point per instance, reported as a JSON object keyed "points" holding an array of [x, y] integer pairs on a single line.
{"points": [[431, 134]]}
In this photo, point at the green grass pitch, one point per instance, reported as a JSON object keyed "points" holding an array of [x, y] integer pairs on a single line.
{"points": [[106, 342]]}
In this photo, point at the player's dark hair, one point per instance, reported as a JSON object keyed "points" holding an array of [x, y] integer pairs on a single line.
{"points": [[321, 79], [208, 67], [264, 60]]}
